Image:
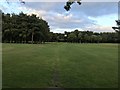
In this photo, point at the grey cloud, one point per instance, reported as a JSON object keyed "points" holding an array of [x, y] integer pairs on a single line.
{"points": [[48, 6], [89, 8], [80, 13], [96, 8], [73, 22]]}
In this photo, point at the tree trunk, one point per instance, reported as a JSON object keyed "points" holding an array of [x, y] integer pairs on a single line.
{"points": [[32, 37]]}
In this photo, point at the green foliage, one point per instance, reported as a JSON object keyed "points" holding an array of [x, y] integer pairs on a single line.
{"points": [[67, 7], [117, 29], [72, 37], [84, 37], [24, 28]]}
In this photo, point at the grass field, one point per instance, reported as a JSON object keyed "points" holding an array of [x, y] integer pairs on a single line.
{"points": [[60, 64]]}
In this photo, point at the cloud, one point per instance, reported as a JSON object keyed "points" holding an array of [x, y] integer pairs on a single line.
{"points": [[3, 7], [67, 22], [62, 30], [95, 9], [31, 11], [62, 18], [94, 28], [92, 9], [86, 16], [65, 0], [98, 28]]}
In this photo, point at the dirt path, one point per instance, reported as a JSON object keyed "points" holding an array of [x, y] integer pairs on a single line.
{"points": [[56, 74]]}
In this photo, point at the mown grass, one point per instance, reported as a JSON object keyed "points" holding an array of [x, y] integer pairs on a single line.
{"points": [[60, 64]]}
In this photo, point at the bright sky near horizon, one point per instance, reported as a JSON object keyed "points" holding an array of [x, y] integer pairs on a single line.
{"points": [[92, 16]]}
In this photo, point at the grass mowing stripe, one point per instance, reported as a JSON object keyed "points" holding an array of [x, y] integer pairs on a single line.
{"points": [[62, 64], [87, 68], [28, 69]]}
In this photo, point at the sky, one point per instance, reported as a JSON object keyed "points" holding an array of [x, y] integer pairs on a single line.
{"points": [[92, 16]]}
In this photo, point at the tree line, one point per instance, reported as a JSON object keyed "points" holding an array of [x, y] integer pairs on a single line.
{"points": [[85, 37], [25, 28]]}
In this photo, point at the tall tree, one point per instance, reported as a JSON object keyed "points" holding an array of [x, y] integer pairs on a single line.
{"points": [[24, 28]]}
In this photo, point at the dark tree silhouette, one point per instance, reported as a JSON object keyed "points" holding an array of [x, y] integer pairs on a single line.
{"points": [[117, 29], [67, 7], [24, 28]]}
